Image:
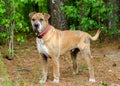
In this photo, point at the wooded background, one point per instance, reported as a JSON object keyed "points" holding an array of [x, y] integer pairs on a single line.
{"points": [[85, 15], [17, 41]]}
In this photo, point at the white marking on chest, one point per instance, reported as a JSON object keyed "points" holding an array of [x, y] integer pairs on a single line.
{"points": [[41, 47]]}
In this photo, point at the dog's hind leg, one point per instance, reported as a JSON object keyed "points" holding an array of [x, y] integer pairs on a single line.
{"points": [[44, 69], [74, 57], [87, 55]]}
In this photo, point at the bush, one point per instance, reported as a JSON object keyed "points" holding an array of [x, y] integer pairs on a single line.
{"points": [[14, 15], [92, 14]]}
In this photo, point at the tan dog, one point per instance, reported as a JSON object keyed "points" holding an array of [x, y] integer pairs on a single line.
{"points": [[52, 43]]}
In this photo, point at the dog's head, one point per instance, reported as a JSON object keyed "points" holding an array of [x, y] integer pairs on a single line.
{"points": [[39, 21]]}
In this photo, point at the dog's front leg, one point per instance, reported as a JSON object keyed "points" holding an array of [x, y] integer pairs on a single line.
{"points": [[56, 71], [44, 69]]}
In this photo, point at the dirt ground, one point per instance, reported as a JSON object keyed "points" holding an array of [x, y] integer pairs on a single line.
{"points": [[26, 66]]}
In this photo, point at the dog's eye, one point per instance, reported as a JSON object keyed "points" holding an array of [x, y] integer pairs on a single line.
{"points": [[33, 19], [41, 19]]}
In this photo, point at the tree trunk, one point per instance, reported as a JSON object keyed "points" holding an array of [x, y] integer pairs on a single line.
{"points": [[118, 3], [111, 23], [58, 18], [113, 20]]}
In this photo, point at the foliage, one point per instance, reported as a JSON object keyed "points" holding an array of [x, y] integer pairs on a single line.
{"points": [[3, 20], [91, 14], [103, 84], [81, 14], [22, 9]]}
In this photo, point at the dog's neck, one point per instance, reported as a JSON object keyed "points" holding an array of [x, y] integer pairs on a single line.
{"points": [[44, 32]]}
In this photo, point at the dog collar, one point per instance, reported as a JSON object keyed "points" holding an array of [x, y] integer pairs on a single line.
{"points": [[45, 32]]}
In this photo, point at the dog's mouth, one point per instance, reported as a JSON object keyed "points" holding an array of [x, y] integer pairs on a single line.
{"points": [[37, 33], [37, 28]]}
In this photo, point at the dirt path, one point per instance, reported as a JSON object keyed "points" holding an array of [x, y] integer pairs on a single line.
{"points": [[25, 68]]}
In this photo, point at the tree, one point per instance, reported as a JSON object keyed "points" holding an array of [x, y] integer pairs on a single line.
{"points": [[113, 18], [58, 18]]}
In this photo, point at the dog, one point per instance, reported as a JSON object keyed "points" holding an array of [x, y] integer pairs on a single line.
{"points": [[52, 43]]}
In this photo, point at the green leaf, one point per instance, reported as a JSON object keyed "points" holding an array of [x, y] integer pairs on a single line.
{"points": [[102, 10], [103, 84], [72, 27]]}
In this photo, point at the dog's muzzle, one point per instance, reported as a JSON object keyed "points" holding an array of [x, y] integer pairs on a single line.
{"points": [[36, 27]]}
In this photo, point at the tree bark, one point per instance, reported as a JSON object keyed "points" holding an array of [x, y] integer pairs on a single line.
{"points": [[58, 18], [112, 21], [118, 3]]}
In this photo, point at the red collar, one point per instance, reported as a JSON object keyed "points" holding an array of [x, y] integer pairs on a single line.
{"points": [[45, 32]]}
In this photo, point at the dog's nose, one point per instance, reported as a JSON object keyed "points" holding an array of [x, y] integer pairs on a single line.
{"points": [[36, 25]]}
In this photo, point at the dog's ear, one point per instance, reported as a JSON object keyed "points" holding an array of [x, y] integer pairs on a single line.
{"points": [[31, 14], [46, 16]]}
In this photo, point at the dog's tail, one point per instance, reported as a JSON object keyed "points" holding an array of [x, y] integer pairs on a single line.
{"points": [[94, 38]]}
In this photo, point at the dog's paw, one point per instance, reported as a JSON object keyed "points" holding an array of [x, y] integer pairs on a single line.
{"points": [[42, 81], [92, 80], [56, 80]]}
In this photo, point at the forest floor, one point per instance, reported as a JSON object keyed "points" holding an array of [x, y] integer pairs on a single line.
{"points": [[25, 68]]}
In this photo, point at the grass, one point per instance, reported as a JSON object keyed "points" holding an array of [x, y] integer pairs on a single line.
{"points": [[5, 76], [6, 81], [102, 84], [82, 68]]}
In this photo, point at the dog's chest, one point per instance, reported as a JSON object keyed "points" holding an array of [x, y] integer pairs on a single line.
{"points": [[41, 47]]}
